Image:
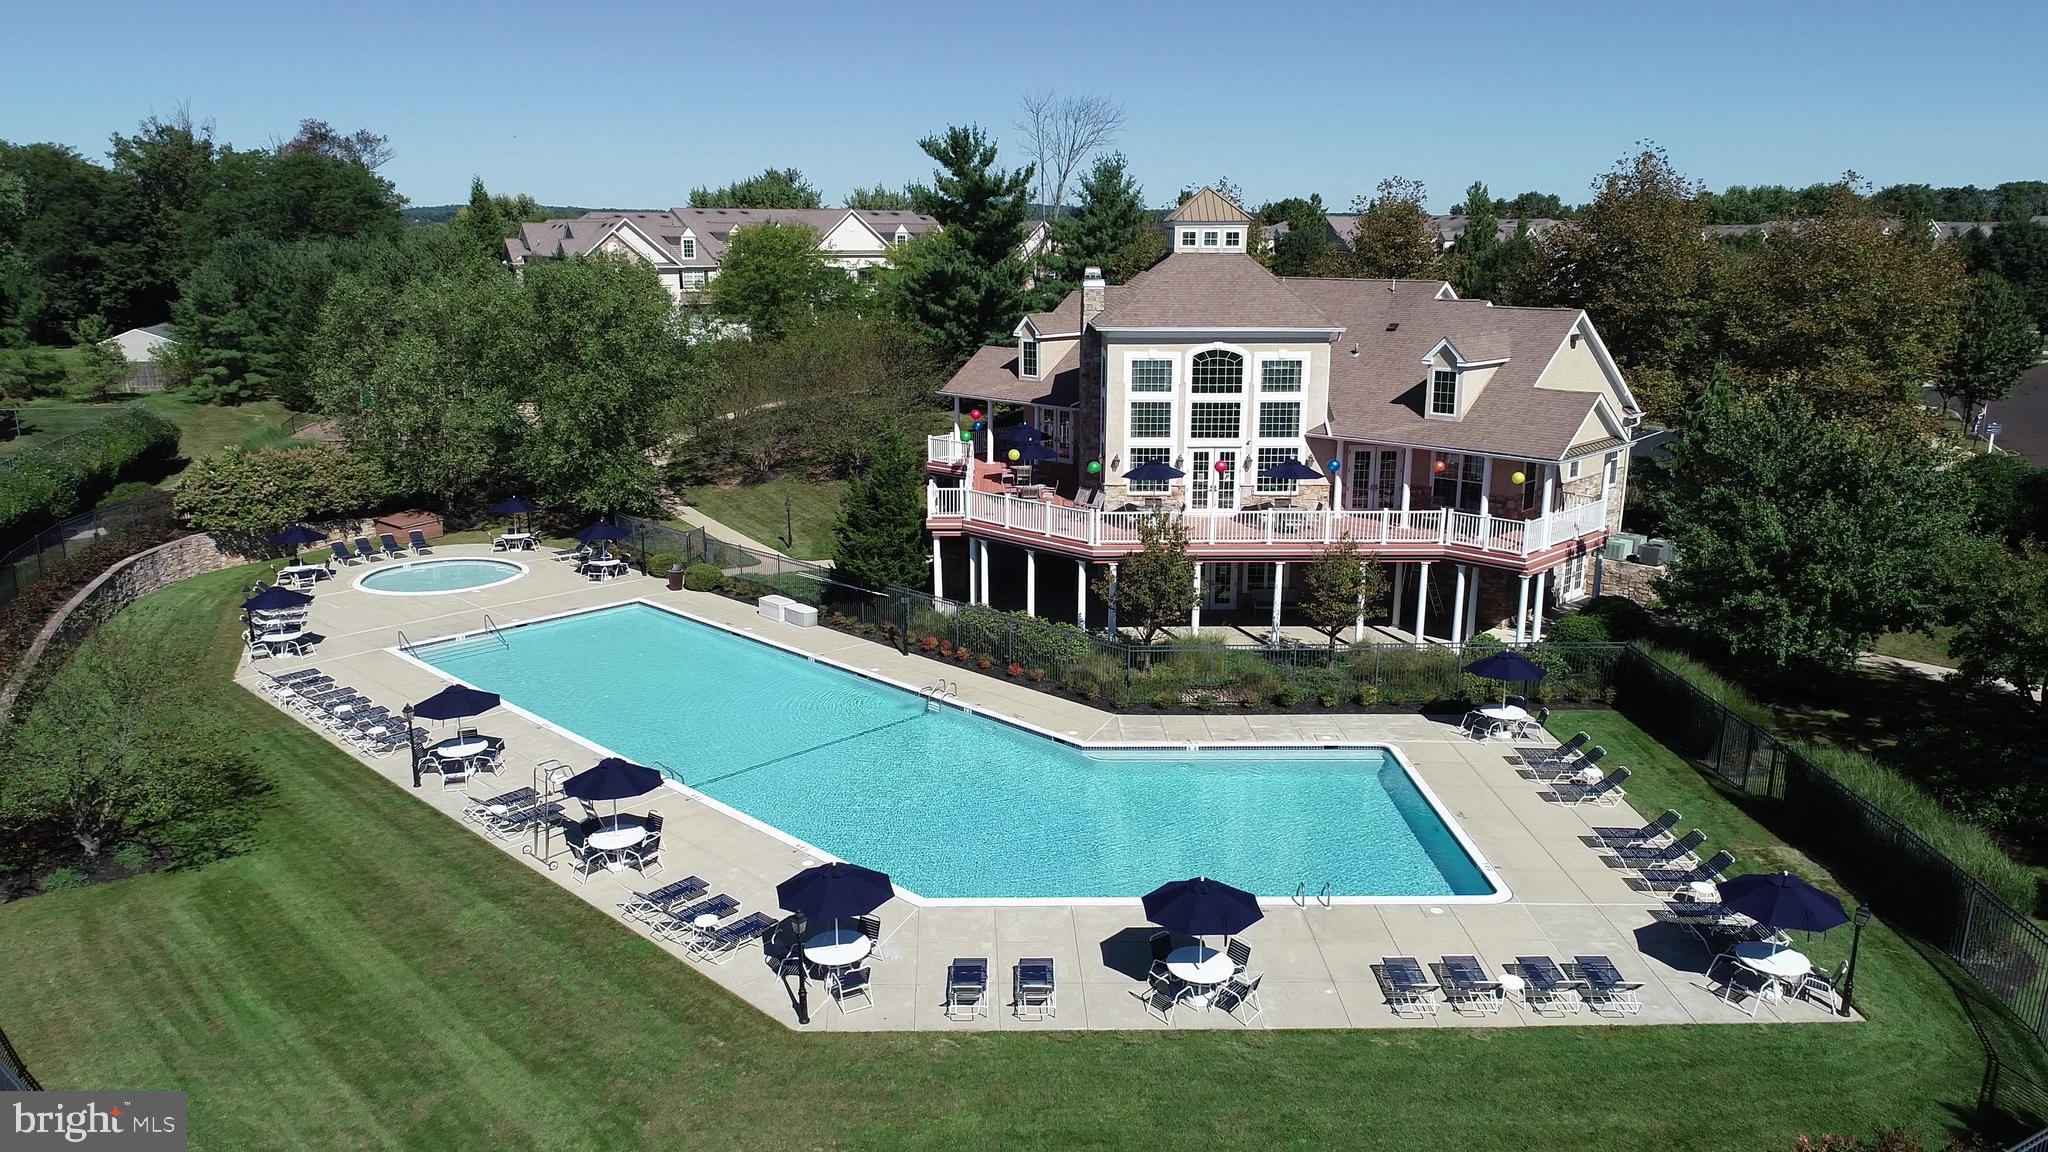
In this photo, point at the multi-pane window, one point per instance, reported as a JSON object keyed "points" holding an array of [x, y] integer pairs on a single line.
{"points": [[1149, 456], [1030, 359], [1360, 494], [1215, 370], [1443, 393], [689, 247], [1279, 420], [1187, 239], [1233, 239], [1280, 376], [1268, 458], [1151, 420], [1389, 463], [1208, 239], [1457, 486], [1532, 486], [1151, 375], [1214, 421]]}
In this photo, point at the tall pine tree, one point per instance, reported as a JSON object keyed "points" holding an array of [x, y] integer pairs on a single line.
{"points": [[965, 286], [1108, 229], [881, 539]]}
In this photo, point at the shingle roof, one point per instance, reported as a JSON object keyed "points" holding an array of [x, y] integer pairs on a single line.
{"points": [[710, 226], [1209, 207], [1208, 290], [991, 374], [1065, 317], [1394, 324]]}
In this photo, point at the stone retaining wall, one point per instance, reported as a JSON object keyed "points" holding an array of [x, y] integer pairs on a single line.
{"points": [[1629, 580], [122, 584]]}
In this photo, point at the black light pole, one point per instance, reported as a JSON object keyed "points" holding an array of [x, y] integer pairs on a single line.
{"points": [[788, 526], [1862, 917], [799, 927], [412, 746]]}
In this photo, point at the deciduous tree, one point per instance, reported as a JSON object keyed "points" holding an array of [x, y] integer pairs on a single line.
{"points": [[1338, 587], [2000, 613], [99, 365], [773, 188], [1153, 588], [773, 277], [881, 198], [1997, 342], [1060, 133], [1392, 238]]}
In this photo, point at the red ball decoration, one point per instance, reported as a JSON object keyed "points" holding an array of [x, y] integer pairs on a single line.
{"points": [[1437, 466], [974, 413], [1222, 466]]}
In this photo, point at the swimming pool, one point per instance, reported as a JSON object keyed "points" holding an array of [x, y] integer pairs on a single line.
{"points": [[954, 805], [425, 577]]}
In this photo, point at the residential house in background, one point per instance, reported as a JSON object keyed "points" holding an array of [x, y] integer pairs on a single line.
{"points": [[1445, 229], [140, 347], [684, 245], [1480, 451]]}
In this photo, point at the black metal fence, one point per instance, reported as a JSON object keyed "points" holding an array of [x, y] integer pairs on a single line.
{"points": [[28, 561], [14, 1075]]}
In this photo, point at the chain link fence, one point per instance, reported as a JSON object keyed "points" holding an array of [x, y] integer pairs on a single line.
{"points": [[29, 561]]}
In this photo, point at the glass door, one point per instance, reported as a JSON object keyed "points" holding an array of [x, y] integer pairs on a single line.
{"points": [[1222, 585], [1209, 488]]}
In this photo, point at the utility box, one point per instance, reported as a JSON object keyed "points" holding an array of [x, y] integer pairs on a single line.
{"points": [[770, 607], [1654, 552], [800, 614], [1619, 547]]}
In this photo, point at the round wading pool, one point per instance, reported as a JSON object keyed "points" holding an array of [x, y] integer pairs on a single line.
{"points": [[427, 577]]}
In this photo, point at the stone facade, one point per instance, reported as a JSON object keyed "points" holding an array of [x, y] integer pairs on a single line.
{"points": [[119, 586], [1628, 580]]}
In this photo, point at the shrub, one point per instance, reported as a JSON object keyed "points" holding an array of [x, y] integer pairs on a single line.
{"points": [[984, 662], [43, 485], [58, 879], [246, 496], [133, 857], [1162, 700], [703, 577], [126, 490], [1365, 696], [659, 563], [1286, 696], [929, 643], [1015, 670], [1579, 628]]}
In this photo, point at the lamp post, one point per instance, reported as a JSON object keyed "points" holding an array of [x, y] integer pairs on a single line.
{"points": [[1861, 917], [412, 745], [799, 927], [788, 526]]}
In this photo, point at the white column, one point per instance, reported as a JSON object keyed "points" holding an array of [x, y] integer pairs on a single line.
{"points": [[1421, 603], [1536, 621], [1031, 581], [938, 571], [1407, 475], [1485, 503], [989, 426], [1081, 594], [1458, 604], [1279, 581], [1549, 485], [1522, 612], [984, 572], [972, 578], [1394, 601], [1195, 617], [1472, 602], [1358, 625]]}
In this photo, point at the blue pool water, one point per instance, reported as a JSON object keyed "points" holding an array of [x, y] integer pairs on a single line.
{"points": [[440, 575], [952, 804]]}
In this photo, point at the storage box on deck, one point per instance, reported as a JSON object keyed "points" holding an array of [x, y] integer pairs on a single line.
{"points": [[398, 524]]}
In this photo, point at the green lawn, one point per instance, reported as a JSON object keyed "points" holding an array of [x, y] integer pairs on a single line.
{"points": [[758, 511], [203, 428], [372, 975], [1926, 647]]}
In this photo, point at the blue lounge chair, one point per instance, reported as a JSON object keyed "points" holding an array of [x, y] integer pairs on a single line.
{"points": [[1566, 769], [1644, 837], [643, 905], [1408, 987], [1605, 986], [1467, 984], [364, 548], [718, 945], [390, 543], [967, 987], [341, 552], [1672, 880], [1546, 985], [1565, 751], [1605, 792], [682, 923], [418, 542], [1675, 855]]}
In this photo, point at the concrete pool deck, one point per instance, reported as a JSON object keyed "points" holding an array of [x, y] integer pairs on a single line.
{"points": [[1318, 961]]}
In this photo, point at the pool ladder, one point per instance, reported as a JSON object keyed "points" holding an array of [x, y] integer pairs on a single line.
{"points": [[1301, 896], [404, 645], [491, 629], [934, 693]]}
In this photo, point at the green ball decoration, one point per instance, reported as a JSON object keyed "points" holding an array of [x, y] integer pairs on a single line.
{"points": [[1095, 467], [966, 436]]}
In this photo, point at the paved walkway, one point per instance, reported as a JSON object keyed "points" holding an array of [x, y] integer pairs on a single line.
{"points": [[1318, 961]]}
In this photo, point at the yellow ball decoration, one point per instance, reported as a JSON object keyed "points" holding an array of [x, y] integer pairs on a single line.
{"points": [[1520, 478], [1015, 455]]}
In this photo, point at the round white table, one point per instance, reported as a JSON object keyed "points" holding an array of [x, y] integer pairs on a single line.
{"points": [[1200, 967], [1512, 713], [511, 540], [705, 919], [276, 640], [605, 569], [1782, 965], [1703, 892], [615, 833], [459, 747], [837, 946], [1513, 987], [302, 571]]}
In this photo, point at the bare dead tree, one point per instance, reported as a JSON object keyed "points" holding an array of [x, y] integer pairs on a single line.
{"points": [[1061, 133]]}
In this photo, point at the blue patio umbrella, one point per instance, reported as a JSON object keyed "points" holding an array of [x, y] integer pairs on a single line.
{"points": [[515, 507], [1034, 451], [276, 599], [1154, 472], [612, 779], [455, 702], [835, 891], [1506, 666], [297, 535], [1782, 900], [1202, 907], [602, 532], [1019, 434], [1290, 469]]}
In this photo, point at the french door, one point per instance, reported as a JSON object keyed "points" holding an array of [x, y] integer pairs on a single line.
{"points": [[1375, 479], [1210, 489]]}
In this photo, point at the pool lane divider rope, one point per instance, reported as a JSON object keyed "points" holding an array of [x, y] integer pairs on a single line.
{"points": [[702, 784]]}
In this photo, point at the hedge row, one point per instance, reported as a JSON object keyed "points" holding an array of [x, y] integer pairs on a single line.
{"points": [[41, 486]]}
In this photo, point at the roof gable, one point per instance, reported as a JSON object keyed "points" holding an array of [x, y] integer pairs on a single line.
{"points": [[1209, 207]]}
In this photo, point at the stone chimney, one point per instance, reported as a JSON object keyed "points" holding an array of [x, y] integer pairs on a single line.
{"points": [[1088, 429]]}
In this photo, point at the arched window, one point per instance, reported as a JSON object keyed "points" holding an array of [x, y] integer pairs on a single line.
{"points": [[1215, 370]]}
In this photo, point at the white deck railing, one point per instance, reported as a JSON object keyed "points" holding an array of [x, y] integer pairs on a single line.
{"points": [[1276, 527], [944, 449]]}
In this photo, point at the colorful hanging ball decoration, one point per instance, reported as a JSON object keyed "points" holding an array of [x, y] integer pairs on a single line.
{"points": [[1015, 455], [1520, 478], [1334, 465], [977, 428], [1222, 466], [1095, 467], [966, 435], [1436, 466], [974, 414]]}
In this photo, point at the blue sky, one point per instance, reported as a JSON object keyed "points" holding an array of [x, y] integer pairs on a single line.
{"points": [[630, 105]]}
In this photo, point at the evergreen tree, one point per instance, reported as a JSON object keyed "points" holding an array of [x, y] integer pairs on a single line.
{"points": [[1154, 587], [99, 366], [1473, 256], [880, 538], [1107, 228], [964, 287], [483, 222]]}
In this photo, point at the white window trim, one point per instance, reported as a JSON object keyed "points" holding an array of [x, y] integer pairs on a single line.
{"points": [[1265, 358], [1028, 358], [1429, 411]]}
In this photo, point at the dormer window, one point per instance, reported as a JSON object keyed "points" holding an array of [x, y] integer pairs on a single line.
{"points": [[1028, 360], [689, 247], [1233, 239], [1443, 392], [1208, 239], [1187, 239]]}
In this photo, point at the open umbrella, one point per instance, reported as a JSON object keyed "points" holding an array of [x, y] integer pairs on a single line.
{"points": [[612, 779], [515, 507], [455, 702], [276, 599], [296, 536], [1782, 900], [1154, 472], [1290, 469], [1504, 667], [835, 891], [1202, 907], [1019, 434], [602, 532]]}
